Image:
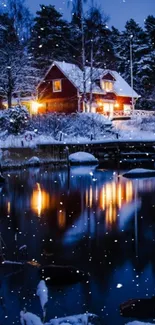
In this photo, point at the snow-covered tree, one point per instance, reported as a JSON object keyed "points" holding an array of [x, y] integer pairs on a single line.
{"points": [[17, 119], [21, 17], [17, 75], [50, 37], [79, 19], [133, 40], [97, 36]]}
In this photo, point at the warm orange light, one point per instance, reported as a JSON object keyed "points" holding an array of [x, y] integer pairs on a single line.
{"points": [[119, 195], [34, 107], [90, 197], [129, 191], [117, 105], [9, 207], [100, 103], [40, 200], [112, 197], [61, 218]]}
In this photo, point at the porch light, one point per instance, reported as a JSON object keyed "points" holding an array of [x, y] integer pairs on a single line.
{"points": [[34, 107], [100, 103], [117, 105]]}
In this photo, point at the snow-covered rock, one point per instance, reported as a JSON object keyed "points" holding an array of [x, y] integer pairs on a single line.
{"points": [[136, 322], [82, 158], [12, 262], [139, 172], [42, 293], [81, 319], [34, 161], [29, 319]]}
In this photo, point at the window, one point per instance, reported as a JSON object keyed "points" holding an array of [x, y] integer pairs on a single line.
{"points": [[107, 85], [127, 109], [57, 87]]}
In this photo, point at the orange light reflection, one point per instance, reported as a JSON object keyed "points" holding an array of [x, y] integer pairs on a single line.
{"points": [[40, 200], [112, 197]]}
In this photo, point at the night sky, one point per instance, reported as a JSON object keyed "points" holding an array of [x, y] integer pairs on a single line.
{"points": [[119, 11]]}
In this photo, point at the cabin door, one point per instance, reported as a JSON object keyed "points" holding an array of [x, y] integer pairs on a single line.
{"points": [[109, 109]]}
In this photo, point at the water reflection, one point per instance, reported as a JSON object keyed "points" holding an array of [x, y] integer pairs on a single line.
{"points": [[94, 219], [113, 196], [40, 200]]}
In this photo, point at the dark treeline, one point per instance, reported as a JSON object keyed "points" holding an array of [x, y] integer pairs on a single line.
{"points": [[28, 45]]}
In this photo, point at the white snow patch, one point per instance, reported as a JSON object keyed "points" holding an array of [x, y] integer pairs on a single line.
{"points": [[81, 319], [139, 172], [42, 293], [136, 322], [34, 160], [29, 319], [82, 157], [12, 262], [119, 285], [22, 247]]}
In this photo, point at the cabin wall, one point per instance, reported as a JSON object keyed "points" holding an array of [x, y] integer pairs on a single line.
{"points": [[64, 101]]}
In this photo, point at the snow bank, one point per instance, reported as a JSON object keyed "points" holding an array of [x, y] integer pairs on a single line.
{"points": [[29, 319], [138, 323], [139, 172], [82, 158], [42, 293], [81, 319]]}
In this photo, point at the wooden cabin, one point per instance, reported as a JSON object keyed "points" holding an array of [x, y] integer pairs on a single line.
{"points": [[61, 90]]}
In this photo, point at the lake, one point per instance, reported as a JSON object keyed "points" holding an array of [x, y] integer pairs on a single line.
{"points": [[91, 218]]}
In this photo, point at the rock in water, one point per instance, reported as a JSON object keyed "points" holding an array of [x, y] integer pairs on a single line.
{"points": [[138, 308], [62, 275]]}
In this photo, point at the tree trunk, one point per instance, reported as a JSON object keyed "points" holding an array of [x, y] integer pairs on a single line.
{"points": [[91, 73], [9, 98], [9, 94], [83, 58]]}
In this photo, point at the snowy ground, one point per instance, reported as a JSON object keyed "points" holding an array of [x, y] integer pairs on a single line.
{"points": [[138, 128], [134, 129]]}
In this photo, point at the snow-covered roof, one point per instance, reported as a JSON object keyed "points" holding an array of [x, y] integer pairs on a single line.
{"points": [[75, 75], [121, 87]]}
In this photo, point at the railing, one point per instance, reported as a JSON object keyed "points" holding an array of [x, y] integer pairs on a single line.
{"points": [[143, 113], [140, 113]]}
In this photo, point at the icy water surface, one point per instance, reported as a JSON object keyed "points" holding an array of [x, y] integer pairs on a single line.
{"points": [[92, 219]]}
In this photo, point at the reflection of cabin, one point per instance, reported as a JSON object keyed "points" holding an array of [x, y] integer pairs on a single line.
{"points": [[61, 90]]}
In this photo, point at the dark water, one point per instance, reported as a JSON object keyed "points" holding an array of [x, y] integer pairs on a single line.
{"points": [[93, 219]]}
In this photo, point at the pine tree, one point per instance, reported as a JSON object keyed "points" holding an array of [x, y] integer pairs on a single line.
{"points": [[21, 17], [150, 30], [17, 72], [98, 34], [78, 11], [132, 37], [50, 35]]}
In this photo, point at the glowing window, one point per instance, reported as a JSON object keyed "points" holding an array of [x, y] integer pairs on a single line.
{"points": [[107, 85], [57, 87]]}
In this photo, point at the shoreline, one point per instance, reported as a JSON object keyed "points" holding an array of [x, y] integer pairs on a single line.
{"points": [[57, 155]]}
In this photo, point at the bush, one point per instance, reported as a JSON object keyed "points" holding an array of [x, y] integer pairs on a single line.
{"points": [[71, 125], [17, 119]]}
